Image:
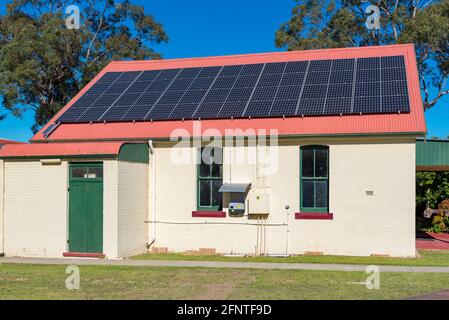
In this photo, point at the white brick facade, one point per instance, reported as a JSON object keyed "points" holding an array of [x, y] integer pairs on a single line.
{"points": [[35, 201]]}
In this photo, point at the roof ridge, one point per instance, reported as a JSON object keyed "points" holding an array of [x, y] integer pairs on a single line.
{"points": [[273, 53]]}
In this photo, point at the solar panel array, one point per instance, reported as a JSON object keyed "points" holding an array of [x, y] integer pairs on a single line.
{"points": [[298, 88]]}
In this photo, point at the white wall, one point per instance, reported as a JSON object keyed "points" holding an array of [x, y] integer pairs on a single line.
{"points": [[2, 181], [35, 204], [362, 225], [110, 209], [35, 209], [133, 208]]}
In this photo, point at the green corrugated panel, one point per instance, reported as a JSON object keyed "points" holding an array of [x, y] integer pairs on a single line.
{"points": [[134, 152], [432, 153]]}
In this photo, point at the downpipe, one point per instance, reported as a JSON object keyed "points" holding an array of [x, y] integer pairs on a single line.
{"points": [[153, 175]]}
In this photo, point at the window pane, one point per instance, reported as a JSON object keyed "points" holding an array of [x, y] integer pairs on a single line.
{"points": [[205, 186], [321, 163], [79, 172], [95, 172], [307, 163], [321, 194], [206, 155], [204, 170], [217, 170], [217, 165], [206, 160], [216, 196], [308, 194]]}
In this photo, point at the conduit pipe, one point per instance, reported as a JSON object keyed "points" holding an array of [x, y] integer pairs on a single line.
{"points": [[153, 204]]}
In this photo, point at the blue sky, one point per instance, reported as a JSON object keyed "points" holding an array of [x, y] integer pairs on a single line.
{"points": [[205, 28]]}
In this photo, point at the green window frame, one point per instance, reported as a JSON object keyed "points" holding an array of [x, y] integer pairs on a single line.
{"points": [[314, 179], [209, 179]]}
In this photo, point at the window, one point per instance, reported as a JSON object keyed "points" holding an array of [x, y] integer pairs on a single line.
{"points": [[210, 179], [89, 171], [314, 179]]}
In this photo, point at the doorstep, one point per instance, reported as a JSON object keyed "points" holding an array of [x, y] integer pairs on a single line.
{"points": [[83, 255]]}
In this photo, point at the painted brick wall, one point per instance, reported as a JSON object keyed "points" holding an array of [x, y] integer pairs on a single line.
{"points": [[363, 225], [110, 209], [133, 208], [35, 209], [1, 206]]}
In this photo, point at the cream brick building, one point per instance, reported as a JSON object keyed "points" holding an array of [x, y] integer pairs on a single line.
{"points": [[289, 184]]}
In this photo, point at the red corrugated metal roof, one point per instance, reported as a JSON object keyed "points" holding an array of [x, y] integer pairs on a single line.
{"points": [[60, 149], [5, 141], [412, 122]]}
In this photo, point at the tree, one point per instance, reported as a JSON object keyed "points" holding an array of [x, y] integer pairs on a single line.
{"points": [[431, 188], [43, 64], [319, 24]]}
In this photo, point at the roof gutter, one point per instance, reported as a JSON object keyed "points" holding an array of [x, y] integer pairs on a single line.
{"points": [[86, 156], [282, 136]]}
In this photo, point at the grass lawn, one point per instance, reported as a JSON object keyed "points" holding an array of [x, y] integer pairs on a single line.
{"points": [[118, 282], [428, 258]]}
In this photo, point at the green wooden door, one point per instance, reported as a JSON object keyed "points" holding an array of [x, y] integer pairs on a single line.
{"points": [[86, 208]]}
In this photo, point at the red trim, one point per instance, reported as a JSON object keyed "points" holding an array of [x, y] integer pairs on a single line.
{"points": [[314, 215], [4, 141], [208, 214], [61, 149], [83, 255]]}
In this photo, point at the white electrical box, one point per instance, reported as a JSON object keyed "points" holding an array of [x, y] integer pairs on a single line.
{"points": [[258, 203]]}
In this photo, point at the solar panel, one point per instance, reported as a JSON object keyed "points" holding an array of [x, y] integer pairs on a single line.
{"points": [[282, 108], [295, 88], [265, 93], [183, 110], [217, 95], [116, 113], [208, 110], [274, 68], [232, 109], [270, 79], [137, 112], [110, 76], [258, 109], [52, 127]]}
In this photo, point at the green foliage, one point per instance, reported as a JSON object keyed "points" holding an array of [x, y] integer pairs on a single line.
{"points": [[431, 188], [43, 64], [319, 24]]}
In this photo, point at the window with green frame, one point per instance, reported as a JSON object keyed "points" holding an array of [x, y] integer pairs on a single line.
{"points": [[209, 179], [314, 180]]}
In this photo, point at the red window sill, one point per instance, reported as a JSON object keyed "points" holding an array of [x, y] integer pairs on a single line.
{"points": [[314, 215], [83, 255], [208, 214]]}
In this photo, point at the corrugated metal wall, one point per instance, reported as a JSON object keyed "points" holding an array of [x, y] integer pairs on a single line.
{"points": [[432, 154]]}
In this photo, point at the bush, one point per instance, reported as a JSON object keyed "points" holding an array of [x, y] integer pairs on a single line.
{"points": [[431, 188]]}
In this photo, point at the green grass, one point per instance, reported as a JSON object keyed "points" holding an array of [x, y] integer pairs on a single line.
{"points": [[427, 258], [19, 281]]}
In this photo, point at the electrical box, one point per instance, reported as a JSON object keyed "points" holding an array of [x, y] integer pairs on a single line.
{"points": [[236, 208], [259, 203]]}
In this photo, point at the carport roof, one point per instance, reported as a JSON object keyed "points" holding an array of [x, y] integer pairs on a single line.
{"points": [[61, 149]]}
